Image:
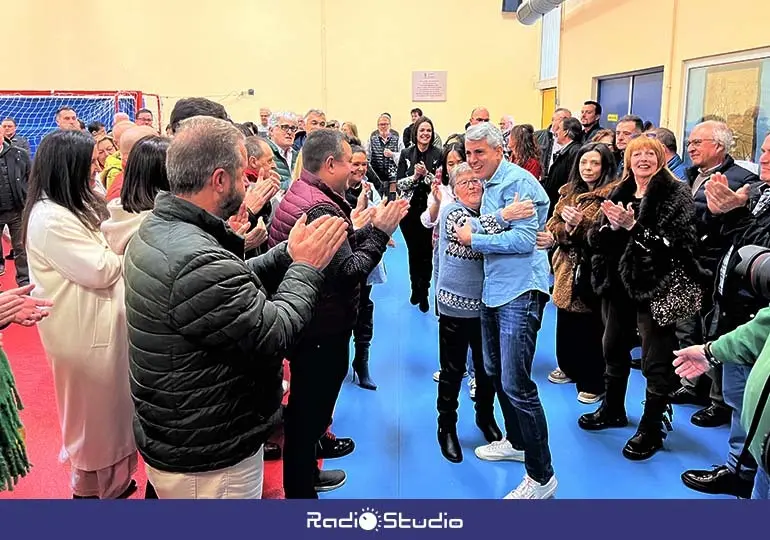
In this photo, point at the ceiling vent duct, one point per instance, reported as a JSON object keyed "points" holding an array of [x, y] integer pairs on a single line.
{"points": [[532, 10]]}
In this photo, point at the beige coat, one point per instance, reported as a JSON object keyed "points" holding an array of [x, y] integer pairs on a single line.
{"points": [[85, 337]]}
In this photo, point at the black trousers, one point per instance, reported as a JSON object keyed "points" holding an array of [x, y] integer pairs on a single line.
{"points": [[364, 329], [455, 336], [579, 350], [419, 244], [691, 332], [622, 317], [318, 368], [13, 220]]}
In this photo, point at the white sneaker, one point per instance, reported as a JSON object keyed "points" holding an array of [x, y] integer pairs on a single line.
{"points": [[436, 375], [285, 385], [499, 451], [530, 489], [589, 399]]}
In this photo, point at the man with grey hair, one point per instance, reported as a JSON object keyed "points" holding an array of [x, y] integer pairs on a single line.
{"points": [[283, 129], [709, 146], [205, 343], [516, 289], [320, 361]]}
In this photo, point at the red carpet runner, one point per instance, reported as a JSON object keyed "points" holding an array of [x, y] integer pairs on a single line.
{"points": [[49, 479]]}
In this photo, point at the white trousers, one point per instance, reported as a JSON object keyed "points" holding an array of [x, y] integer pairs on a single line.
{"points": [[241, 481]]}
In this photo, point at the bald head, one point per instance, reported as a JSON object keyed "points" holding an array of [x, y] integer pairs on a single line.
{"points": [[479, 115], [119, 129], [131, 137], [120, 117]]}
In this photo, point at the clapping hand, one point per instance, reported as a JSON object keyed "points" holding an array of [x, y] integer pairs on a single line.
{"points": [[16, 306], [619, 216], [387, 215], [260, 192], [572, 217], [316, 244], [545, 240], [256, 236], [240, 223], [721, 199]]}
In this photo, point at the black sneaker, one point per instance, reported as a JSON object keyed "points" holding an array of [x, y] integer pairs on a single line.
{"points": [[329, 480], [11, 255], [330, 447]]}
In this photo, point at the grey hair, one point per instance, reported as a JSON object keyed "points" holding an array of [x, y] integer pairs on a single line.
{"points": [[721, 133], [319, 145], [317, 112], [254, 148], [275, 118], [201, 145], [461, 168], [485, 131]]}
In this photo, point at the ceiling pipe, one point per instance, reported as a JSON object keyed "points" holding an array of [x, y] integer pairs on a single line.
{"points": [[532, 10]]}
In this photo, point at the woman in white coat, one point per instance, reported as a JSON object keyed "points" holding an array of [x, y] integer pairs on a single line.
{"points": [[85, 336]]}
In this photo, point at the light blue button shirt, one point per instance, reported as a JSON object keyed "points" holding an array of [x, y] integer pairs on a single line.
{"points": [[512, 263]]}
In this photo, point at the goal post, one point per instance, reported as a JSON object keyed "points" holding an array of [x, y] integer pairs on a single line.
{"points": [[34, 111]]}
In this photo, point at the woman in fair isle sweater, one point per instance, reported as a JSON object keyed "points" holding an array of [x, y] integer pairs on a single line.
{"points": [[459, 286]]}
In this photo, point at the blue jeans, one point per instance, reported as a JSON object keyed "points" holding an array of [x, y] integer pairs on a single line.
{"points": [[761, 485], [509, 335], [733, 385]]}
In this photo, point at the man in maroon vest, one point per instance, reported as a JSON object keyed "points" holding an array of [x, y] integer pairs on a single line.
{"points": [[319, 362]]}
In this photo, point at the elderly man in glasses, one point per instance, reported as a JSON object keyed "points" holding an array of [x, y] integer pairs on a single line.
{"points": [[283, 127]]}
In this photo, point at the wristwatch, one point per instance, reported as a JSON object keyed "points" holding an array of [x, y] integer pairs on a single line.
{"points": [[713, 362]]}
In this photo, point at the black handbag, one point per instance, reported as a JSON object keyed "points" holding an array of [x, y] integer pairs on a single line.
{"points": [[582, 287]]}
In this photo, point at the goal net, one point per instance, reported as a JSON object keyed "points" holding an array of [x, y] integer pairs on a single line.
{"points": [[34, 111]]}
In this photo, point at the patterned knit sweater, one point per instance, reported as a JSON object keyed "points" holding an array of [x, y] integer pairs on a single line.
{"points": [[461, 269]]}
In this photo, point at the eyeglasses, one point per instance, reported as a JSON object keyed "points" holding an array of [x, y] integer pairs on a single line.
{"points": [[698, 142], [288, 128], [468, 183]]}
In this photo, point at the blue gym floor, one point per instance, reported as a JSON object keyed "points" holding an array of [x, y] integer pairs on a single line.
{"points": [[394, 427]]}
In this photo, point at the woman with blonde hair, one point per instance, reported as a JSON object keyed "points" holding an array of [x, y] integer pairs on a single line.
{"points": [[646, 274]]}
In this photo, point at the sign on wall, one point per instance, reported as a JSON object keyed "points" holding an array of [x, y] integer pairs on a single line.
{"points": [[429, 85]]}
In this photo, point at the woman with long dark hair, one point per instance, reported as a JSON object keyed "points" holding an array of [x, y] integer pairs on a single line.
{"points": [[144, 177], [416, 173], [85, 335], [579, 326]]}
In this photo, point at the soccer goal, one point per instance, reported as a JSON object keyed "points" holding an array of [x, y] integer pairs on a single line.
{"points": [[34, 110]]}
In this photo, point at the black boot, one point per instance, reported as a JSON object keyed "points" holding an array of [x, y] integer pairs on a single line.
{"points": [[653, 428], [489, 428], [361, 368], [450, 445], [612, 412]]}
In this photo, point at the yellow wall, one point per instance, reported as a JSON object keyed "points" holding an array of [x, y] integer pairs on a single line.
{"points": [[608, 37], [353, 58]]}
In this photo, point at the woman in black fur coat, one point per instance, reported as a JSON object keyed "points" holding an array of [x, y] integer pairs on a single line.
{"points": [[648, 223]]}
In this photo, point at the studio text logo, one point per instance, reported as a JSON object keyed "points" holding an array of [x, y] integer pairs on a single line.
{"points": [[370, 519]]}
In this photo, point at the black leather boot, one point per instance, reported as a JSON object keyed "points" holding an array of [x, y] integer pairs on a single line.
{"points": [[488, 426], [449, 444], [653, 428], [612, 412], [361, 368]]}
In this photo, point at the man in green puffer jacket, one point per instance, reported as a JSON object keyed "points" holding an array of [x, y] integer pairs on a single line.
{"points": [[748, 345]]}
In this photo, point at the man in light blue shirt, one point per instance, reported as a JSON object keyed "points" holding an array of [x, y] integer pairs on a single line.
{"points": [[515, 292]]}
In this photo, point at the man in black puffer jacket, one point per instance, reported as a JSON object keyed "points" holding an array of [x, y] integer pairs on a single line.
{"points": [[206, 345]]}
